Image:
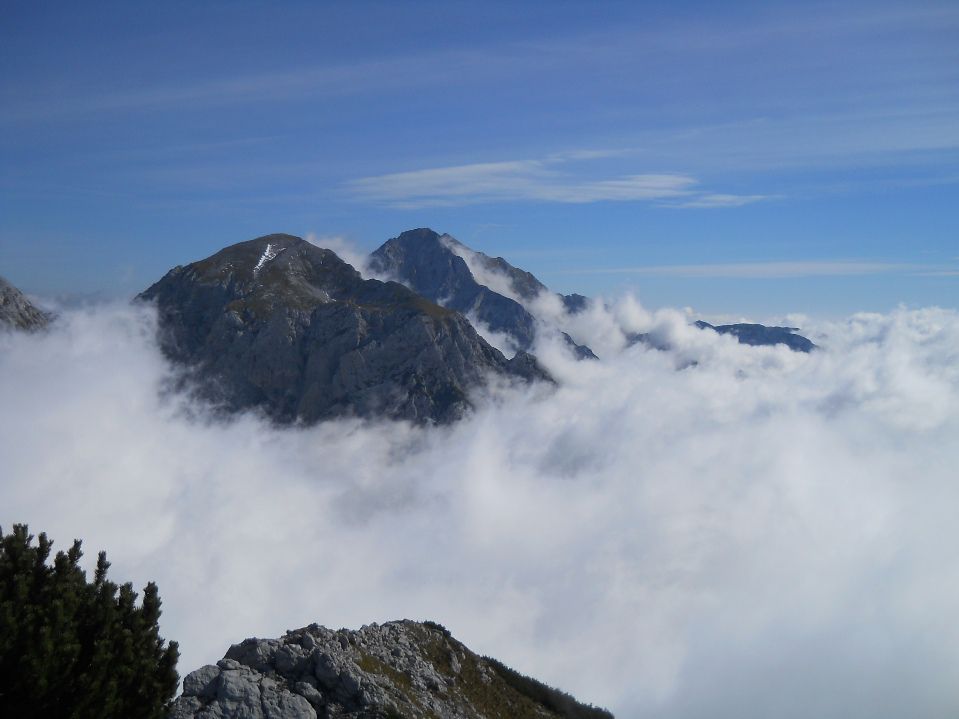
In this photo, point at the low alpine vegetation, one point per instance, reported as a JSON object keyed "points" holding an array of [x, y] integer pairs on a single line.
{"points": [[76, 649]]}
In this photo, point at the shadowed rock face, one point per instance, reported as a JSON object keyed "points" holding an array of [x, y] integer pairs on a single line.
{"points": [[427, 262], [281, 325], [398, 669], [17, 312]]}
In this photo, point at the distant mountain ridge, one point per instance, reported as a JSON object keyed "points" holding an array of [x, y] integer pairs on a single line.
{"points": [[283, 326], [396, 670], [498, 295], [762, 335], [17, 312]]}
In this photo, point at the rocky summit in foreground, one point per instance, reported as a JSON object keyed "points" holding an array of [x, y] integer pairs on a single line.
{"points": [[395, 670], [286, 327], [17, 312]]}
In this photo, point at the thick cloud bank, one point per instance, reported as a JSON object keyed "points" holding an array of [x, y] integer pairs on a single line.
{"points": [[718, 530]]}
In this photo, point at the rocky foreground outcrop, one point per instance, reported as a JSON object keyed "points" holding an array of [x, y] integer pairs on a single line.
{"points": [[288, 328], [395, 670], [17, 312]]}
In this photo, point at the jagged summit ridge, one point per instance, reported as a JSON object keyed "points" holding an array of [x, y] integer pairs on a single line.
{"points": [[487, 289], [392, 670], [286, 327], [17, 312]]}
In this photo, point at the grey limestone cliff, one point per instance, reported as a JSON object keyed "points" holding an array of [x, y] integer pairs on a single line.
{"points": [[17, 312], [281, 325], [395, 670]]}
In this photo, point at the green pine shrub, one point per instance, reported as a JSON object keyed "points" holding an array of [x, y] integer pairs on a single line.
{"points": [[73, 649], [553, 699]]}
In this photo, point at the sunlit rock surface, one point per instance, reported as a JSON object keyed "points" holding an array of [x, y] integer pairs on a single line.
{"points": [[398, 669]]}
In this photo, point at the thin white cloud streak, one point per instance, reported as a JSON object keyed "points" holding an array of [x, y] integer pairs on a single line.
{"points": [[875, 90], [532, 180], [292, 84], [844, 99], [763, 533], [719, 200], [481, 272], [916, 140], [612, 46], [764, 270]]}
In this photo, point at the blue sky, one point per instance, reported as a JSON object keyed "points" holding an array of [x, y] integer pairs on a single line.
{"points": [[744, 158]]}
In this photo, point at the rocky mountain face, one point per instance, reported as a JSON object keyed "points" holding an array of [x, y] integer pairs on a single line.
{"points": [[17, 312], [753, 334], [281, 325], [434, 265], [391, 671]]}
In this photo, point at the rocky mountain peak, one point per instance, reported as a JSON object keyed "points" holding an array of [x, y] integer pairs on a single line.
{"points": [[421, 249], [17, 312], [275, 264], [421, 235], [422, 259], [385, 671], [486, 289], [289, 328]]}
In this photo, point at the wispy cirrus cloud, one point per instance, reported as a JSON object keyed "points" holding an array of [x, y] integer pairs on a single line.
{"points": [[722, 200], [291, 84], [551, 179], [772, 270]]}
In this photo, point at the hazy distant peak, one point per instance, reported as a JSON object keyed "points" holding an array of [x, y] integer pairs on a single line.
{"points": [[762, 335], [17, 312]]}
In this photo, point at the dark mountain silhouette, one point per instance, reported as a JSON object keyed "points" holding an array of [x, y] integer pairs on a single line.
{"points": [[753, 334]]}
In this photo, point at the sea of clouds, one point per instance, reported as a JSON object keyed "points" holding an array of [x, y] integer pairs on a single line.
{"points": [[714, 530]]}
